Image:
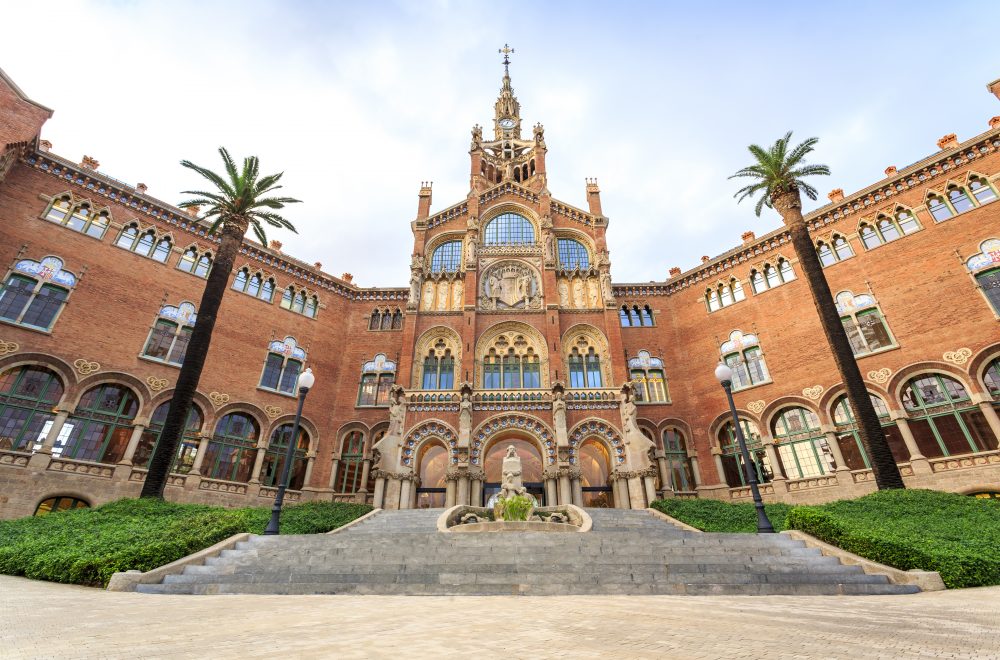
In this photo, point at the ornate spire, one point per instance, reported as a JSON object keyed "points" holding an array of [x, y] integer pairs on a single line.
{"points": [[507, 106]]}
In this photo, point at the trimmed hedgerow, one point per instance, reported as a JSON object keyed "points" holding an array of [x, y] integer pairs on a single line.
{"points": [[87, 546], [956, 535], [717, 516]]}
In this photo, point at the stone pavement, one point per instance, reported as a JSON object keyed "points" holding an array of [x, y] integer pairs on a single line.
{"points": [[46, 620]]}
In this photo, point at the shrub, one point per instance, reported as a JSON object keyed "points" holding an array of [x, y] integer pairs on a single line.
{"points": [[86, 546], [718, 516], [515, 507]]}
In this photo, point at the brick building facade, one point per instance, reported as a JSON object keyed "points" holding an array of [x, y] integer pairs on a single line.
{"points": [[510, 332]]}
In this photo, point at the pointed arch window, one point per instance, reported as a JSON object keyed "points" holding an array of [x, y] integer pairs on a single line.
{"points": [[959, 199], [943, 419], [733, 469], [991, 378], [78, 216], [144, 243], [233, 449], [282, 366], [386, 319], [28, 396], [300, 302], [171, 332], [635, 316], [648, 376], [439, 368], [849, 440], [585, 368], [377, 378], [802, 447], [351, 466], [982, 190], [34, 292], [274, 458], [101, 425], [254, 284], [940, 209], [194, 262], [742, 353], [447, 257], [187, 450], [985, 268], [573, 255], [725, 294], [838, 250], [509, 229], [863, 321]]}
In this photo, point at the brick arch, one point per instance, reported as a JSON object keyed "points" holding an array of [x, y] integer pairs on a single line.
{"points": [[904, 375], [258, 415], [830, 397], [425, 342], [489, 431], [438, 240], [535, 339], [980, 487], [673, 422], [307, 424], [199, 399], [429, 430], [606, 433], [720, 420], [599, 341], [138, 387], [91, 500], [770, 412], [344, 429], [63, 370], [375, 430], [978, 363]]}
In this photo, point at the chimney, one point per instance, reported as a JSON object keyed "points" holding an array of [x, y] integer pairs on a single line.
{"points": [[193, 211], [889, 171], [141, 188], [949, 141], [424, 203], [594, 197], [44, 145], [276, 246], [836, 195], [705, 259], [994, 122], [748, 237], [994, 87], [318, 266], [674, 272], [347, 277], [89, 163]]}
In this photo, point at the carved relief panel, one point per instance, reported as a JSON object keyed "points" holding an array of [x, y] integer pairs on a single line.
{"points": [[510, 285]]}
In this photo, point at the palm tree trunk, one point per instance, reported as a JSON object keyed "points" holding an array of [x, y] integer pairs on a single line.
{"points": [[870, 431], [194, 360]]}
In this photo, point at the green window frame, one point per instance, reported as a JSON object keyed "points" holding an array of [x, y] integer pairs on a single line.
{"points": [[233, 448], [28, 396], [509, 229], [101, 425], [274, 457], [732, 459], [58, 504], [447, 257], [801, 445], [78, 216], [678, 464], [351, 465], [187, 450], [31, 303], [943, 419]]}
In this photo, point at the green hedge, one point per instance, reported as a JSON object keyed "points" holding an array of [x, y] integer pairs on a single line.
{"points": [[956, 535], [86, 546], [717, 516]]}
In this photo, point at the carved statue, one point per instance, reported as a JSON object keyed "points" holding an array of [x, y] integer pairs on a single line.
{"points": [[428, 296], [414, 288], [546, 222], [549, 252], [563, 293], [510, 483], [509, 285], [606, 287], [442, 301], [470, 253], [456, 294], [417, 262], [559, 416], [477, 137], [465, 417], [397, 413], [578, 294], [539, 132], [592, 298], [633, 435]]}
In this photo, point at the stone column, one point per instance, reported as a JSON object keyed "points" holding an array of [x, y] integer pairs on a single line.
{"points": [[377, 500], [636, 493], [619, 491], [258, 463], [463, 489], [449, 493], [307, 477], [918, 462], [333, 473], [717, 454], [990, 413], [661, 466], [366, 467], [650, 483], [41, 458], [772, 457], [577, 487], [199, 456], [695, 469], [838, 455], [565, 493], [550, 491], [405, 493], [133, 444]]}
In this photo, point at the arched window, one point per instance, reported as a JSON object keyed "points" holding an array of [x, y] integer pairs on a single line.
{"points": [[646, 372], [906, 221], [282, 366], [300, 302], [162, 250], [713, 300], [397, 319], [849, 440], [35, 292], [869, 236], [101, 425], [254, 284], [757, 281], [447, 257], [386, 320], [572, 255], [28, 396], [678, 464], [940, 210], [203, 266], [509, 229], [959, 199], [842, 248], [743, 355], [991, 378], [771, 276], [943, 419], [585, 368], [274, 458], [785, 270], [233, 449], [511, 363], [982, 190], [887, 228], [433, 462], [171, 332], [595, 468], [439, 368], [733, 468], [78, 216], [374, 320], [192, 262], [985, 267], [186, 450], [144, 243], [377, 378], [826, 255], [646, 315], [866, 328], [802, 447], [351, 464], [60, 503], [625, 316]]}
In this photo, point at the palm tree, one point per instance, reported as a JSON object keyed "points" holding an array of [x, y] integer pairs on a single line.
{"points": [[241, 201], [778, 174]]}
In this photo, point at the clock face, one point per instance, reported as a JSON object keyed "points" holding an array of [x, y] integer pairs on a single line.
{"points": [[506, 123]]}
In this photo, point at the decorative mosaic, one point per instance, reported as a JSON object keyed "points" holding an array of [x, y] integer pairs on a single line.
{"points": [[987, 258], [288, 348], [643, 361], [848, 303], [600, 429], [48, 269], [184, 313], [512, 422], [429, 429]]}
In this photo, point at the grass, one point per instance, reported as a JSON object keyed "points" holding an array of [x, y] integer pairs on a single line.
{"points": [[87, 546], [956, 535]]}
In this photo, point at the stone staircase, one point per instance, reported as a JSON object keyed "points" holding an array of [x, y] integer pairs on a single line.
{"points": [[626, 552]]}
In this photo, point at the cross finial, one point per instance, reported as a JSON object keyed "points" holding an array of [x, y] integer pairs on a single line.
{"points": [[506, 51]]}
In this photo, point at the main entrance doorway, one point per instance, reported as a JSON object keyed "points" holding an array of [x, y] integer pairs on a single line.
{"points": [[433, 463], [594, 470], [531, 469]]}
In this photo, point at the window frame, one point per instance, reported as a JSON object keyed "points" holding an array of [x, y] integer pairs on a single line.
{"points": [[46, 274], [375, 373], [70, 218], [183, 326], [504, 232], [445, 255]]}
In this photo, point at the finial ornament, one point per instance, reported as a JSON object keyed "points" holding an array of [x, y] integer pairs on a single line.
{"points": [[506, 51]]}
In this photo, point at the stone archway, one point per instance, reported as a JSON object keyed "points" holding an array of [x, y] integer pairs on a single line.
{"points": [[532, 466]]}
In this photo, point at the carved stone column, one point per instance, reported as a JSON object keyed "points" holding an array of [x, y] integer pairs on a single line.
{"points": [[463, 488], [918, 462], [772, 458], [333, 473], [565, 490], [476, 478], [258, 462], [619, 490], [661, 466], [649, 482], [551, 496], [41, 458], [577, 485], [307, 478], [406, 492], [366, 467], [636, 491], [838, 455], [717, 454], [377, 499], [450, 494], [990, 413], [199, 457], [133, 444], [695, 468]]}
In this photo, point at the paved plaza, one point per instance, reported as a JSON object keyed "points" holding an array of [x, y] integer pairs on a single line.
{"points": [[45, 620]]}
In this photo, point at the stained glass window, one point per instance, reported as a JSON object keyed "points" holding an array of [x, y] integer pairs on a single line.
{"points": [[802, 446], [28, 396], [101, 425], [187, 449], [171, 332], [572, 254], [282, 366], [509, 229], [866, 328], [30, 296], [274, 458], [943, 419], [447, 257], [743, 355], [377, 378], [233, 448]]}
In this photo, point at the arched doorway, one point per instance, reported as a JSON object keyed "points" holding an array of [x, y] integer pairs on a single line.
{"points": [[433, 462], [531, 468], [594, 470]]}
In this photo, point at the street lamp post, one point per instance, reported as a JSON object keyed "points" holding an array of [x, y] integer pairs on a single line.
{"points": [[306, 381], [725, 376]]}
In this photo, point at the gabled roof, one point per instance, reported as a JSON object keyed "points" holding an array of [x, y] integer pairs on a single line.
{"points": [[24, 97]]}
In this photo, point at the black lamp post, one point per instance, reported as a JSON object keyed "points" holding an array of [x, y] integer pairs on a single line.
{"points": [[306, 381], [725, 376]]}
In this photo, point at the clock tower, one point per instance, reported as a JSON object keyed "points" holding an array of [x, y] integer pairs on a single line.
{"points": [[507, 117]]}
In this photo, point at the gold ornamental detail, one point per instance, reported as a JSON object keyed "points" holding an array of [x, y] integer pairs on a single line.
{"points": [[86, 367], [8, 347], [960, 356], [813, 392], [157, 384], [756, 407], [272, 411], [880, 376], [218, 399]]}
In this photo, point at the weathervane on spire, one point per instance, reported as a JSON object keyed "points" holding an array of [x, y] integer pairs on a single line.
{"points": [[506, 51]]}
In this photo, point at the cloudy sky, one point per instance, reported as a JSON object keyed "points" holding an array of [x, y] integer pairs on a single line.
{"points": [[358, 102]]}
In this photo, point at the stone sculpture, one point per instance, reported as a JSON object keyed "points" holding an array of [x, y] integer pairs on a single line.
{"points": [[510, 484]]}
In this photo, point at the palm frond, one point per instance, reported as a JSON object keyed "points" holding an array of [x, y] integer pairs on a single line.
{"points": [[778, 170]]}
